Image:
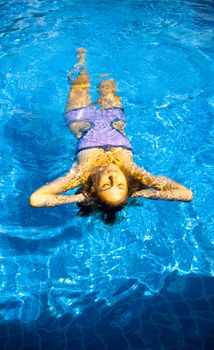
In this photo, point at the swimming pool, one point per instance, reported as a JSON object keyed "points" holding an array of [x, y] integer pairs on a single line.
{"points": [[72, 282]]}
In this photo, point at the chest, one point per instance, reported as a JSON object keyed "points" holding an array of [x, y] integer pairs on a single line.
{"points": [[97, 157]]}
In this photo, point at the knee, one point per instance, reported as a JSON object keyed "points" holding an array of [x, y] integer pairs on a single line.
{"points": [[82, 81], [107, 85]]}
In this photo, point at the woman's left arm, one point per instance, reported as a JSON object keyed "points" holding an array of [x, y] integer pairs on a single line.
{"points": [[172, 192], [162, 187]]}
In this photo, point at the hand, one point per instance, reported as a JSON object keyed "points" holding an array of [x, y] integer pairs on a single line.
{"points": [[80, 198]]}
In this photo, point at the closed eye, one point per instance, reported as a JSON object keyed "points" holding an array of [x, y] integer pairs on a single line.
{"points": [[121, 186], [105, 187]]}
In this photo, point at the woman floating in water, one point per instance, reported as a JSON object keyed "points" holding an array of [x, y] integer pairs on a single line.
{"points": [[104, 168]]}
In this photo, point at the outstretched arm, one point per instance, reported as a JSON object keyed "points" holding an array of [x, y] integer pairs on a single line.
{"points": [[162, 187], [48, 195]]}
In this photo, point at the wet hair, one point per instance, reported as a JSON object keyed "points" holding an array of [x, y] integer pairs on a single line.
{"points": [[95, 203], [108, 212]]}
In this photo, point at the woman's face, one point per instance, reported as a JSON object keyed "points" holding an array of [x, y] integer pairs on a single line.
{"points": [[112, 187]]}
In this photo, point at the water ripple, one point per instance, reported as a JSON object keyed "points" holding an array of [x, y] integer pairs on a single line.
{"points": [[161, 55]]}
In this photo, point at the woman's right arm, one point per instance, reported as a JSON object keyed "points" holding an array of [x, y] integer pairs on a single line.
{"points": [[49, 195]]}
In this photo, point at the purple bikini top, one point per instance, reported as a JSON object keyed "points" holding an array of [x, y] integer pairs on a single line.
{"points": [[101, 133]]}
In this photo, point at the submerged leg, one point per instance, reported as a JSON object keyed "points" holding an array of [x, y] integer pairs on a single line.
{"points": [[79, 92], [108, 97]]}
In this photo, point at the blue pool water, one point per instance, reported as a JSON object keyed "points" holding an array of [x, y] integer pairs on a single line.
{"points": [[72, 282]]}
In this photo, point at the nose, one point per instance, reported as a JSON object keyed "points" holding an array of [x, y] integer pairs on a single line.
{"points": [[111, 179]]}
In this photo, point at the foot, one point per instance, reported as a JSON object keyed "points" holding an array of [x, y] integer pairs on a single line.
{"points": [[103, 75], [79, 65], [81, 56]]}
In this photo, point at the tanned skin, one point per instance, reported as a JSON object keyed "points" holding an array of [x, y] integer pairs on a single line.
{"points": [[112, 167]]}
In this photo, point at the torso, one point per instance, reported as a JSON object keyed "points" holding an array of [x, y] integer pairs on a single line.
{"points": [[97, 157], [98, 128]]}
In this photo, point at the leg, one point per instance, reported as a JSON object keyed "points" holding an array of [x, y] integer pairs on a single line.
{"points": [[79, 93], [108, 97]]}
